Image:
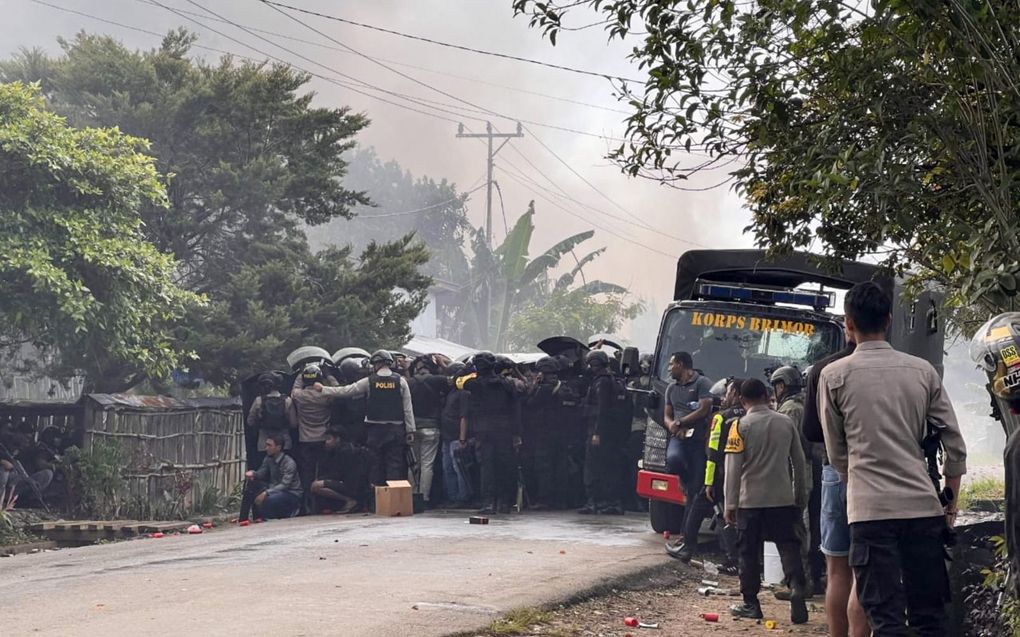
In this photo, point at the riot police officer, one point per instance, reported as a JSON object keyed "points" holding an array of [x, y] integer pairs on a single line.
{"points": [[608, 412], [639, 422], [546, 438], [788, 384], [389, 416], [492, 416]]}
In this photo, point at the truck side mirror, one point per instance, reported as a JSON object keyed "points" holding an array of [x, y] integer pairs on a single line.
{"points": [[629, 362]]}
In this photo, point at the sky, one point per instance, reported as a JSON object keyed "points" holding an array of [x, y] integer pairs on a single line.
{"points": [[629, 215]]}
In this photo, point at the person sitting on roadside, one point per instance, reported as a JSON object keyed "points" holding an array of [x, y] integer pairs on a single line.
{"points": [[343, 474], [19, 477], [274, 489]]}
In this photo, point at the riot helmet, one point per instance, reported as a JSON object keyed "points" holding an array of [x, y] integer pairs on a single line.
{"points": [[312, 373], [267, 382], [352, 369], [484, 362], [718, 390], [996, 348], [504, 364], [455, 369], [597, 359], [381, 357], [789, 376], [645, 364], [547, 365]]}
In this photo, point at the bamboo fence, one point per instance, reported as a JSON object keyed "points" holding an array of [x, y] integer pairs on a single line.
{"points": [[176, 451]]}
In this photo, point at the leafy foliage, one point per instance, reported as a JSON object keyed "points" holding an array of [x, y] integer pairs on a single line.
{"points": [[250, 162], [94, 479], [887, 127], [77, 276], [578, 313], [514, 301], [401, 204]]}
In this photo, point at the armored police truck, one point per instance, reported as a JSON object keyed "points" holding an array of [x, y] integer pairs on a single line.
{"points": [[742, 314]]}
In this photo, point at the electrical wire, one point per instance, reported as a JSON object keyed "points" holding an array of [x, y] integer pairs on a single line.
{"points": [[634, 217], [506, 56], [404, 64], [404, 213], [652, 250]]}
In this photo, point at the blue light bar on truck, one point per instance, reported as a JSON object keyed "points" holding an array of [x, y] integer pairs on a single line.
{"points": [[816, 300]]}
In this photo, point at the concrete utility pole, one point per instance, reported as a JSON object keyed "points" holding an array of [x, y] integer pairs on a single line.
{"points": [[489, 135]]}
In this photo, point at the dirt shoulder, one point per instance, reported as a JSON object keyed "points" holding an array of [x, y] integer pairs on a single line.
{"points": [[666, 596]]}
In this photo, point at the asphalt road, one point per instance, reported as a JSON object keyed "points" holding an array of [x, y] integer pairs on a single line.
{"points": [[432, 574]]}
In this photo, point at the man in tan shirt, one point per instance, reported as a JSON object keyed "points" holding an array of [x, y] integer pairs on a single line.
{"points": [[875, 406], [764, 498]]}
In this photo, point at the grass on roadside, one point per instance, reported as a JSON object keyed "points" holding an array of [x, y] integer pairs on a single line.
{"points": [[981, 490], [520, 621]]}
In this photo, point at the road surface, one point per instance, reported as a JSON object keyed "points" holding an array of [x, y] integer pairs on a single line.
{"points": [[432, 574]]}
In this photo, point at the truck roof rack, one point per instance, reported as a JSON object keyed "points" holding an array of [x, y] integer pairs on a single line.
{"points": [[754, 268]]}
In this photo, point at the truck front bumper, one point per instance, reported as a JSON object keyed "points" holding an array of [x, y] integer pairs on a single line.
{"points": [[660, 486]]}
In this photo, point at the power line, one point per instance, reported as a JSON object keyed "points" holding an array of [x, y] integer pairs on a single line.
{"points": [[359, 53], [589, 221], [251, 59], [419, 68], [404, 213], [285, 63], [409, 36], [468, 103]]}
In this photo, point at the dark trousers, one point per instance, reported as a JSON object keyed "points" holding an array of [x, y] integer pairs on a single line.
{"points": [[498, 466], [901, 575], [697, 513], [551, 468], [754, 528], [388, 443], [309, 456], [281, 504], [635, 450], [604, 478]]}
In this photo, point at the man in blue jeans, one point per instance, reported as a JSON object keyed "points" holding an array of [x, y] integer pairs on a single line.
{"points": [[687, 410], [274, 489]]}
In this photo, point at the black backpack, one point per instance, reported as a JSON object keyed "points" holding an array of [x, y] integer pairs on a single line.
{"points": [[274, 413]]}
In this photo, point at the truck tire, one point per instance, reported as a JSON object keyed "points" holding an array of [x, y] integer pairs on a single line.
{"points": [[665, 516]]}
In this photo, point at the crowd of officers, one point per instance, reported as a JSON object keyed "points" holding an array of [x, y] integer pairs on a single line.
{"points": [[831, 470], [487, 434]]}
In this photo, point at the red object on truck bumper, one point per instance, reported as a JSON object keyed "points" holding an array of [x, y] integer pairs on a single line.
{"points": [[660, 486]]}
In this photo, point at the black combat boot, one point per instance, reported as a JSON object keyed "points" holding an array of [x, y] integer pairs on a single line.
{"points": [[798, 608], [747, 611], [588, 508], [489, 508]]}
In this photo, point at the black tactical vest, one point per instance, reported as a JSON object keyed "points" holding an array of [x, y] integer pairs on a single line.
{"points": [[385, 404]]}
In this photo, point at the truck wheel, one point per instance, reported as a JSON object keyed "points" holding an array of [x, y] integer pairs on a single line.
{"points": [[665, 516]]}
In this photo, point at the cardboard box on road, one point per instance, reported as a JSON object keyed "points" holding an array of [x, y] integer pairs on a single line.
{"points": [[394, 499]]}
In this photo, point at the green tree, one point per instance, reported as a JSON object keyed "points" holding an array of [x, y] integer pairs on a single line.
{"points": [[580, 313], [250, 163], [433, 210], [78, 280], [885, 128], [505, 282]]}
